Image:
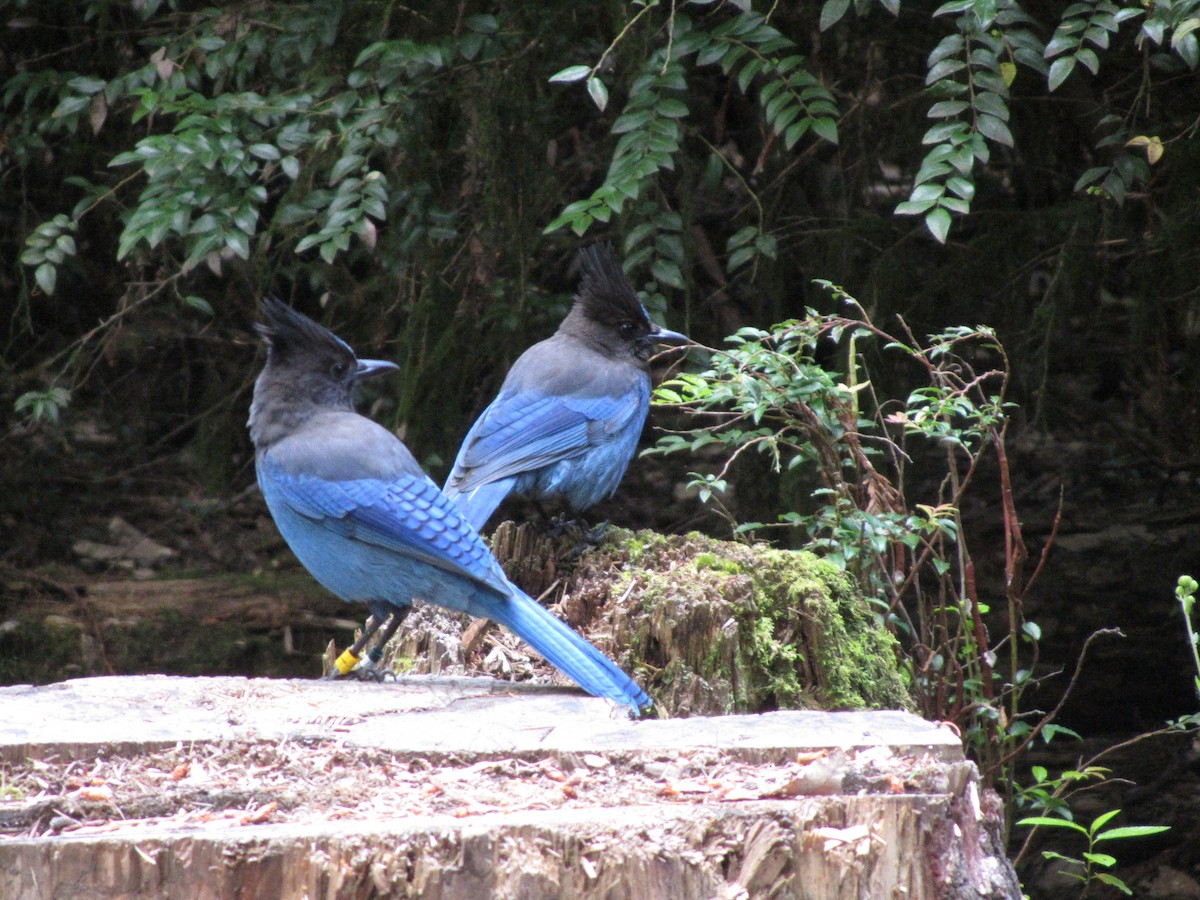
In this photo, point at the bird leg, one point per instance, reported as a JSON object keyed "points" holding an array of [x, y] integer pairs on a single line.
{"points": [[346, 664], [399, 614]]}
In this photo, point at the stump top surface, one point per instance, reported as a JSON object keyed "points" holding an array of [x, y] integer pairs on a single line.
{"points": [[163, 787], [424, 715]]}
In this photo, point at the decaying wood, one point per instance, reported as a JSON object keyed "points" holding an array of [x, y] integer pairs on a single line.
{"points": [[468, 787]]}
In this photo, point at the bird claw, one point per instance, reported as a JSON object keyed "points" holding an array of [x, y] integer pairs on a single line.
{"points": [[363, 672], [588, 540], [563, 524], [596, 535]]}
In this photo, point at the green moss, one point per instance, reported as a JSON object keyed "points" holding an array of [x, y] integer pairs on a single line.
{"points": [[712, 561], [717, 626], [402, 665]]}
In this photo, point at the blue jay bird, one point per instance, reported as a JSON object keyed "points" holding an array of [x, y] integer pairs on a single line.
{"points": [[370, 526], [568, 416]]}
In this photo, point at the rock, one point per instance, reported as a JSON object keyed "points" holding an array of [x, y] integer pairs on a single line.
{"points": [[129, 548]]}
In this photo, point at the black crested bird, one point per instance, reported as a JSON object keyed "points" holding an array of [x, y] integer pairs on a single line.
{"points": [[569, 414], [362, 517]]}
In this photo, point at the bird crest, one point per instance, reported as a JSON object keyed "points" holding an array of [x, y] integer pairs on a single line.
{"points": [[287, 331], [605, 294]]}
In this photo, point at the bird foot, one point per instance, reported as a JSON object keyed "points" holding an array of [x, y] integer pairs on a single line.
{"points": [[362, 672], [563, 524], [595, 536], [588, 540]]}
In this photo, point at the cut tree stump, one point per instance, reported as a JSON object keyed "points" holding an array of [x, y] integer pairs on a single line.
{"points": [[173, 787]]}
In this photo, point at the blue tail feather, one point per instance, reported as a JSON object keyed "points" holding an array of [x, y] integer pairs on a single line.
{"points": [[567, 651], [478, 504]]}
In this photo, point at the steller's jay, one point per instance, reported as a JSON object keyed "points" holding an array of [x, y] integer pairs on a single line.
{"points": [[362, 517], [568, 416]]}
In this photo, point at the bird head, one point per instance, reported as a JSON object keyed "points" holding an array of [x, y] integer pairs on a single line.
{"points": [[608, 301], [307, 362]]}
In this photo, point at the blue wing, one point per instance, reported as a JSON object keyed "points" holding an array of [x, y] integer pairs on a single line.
{"points": [[407, 516], [577, 446], [522, 432]]}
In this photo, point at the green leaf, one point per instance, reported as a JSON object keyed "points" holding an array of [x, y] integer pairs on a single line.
{"points": [[85, 84], [199, 304], [264, 151], [826, 128], [740, 257], [1060, 70], [713, 53], [1050, 731], [628, 121], [913, 207], [598, 92], [1093, 174], [1182, 30], [1188, 49], [1114, 881], [994, 129], [747, 74], [795, 132], [70, 105], [671, 108], [938, 223], [667, 272], [948, 46], [580, 224], [946, 108], [571, 73], [46, 276], [1089, 60], [1046, 822], [832, 12], [1130, 831], [742, 236], [345, 166], [993, 104], [483, 23], [239, 243], [964, 188], [954, 7], [944, 68], [1101, 820], [927, 192], [308, 242]]}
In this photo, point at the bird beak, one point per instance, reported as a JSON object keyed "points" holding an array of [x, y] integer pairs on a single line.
{"points": [[369, 367], [674, 338]]}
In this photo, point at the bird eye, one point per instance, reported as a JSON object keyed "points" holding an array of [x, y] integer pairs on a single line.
{"points": [[628, 329], [338, 369]]}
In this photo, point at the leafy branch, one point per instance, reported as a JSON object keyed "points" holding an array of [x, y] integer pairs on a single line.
{"points": [[745, 47], [969, 74]]}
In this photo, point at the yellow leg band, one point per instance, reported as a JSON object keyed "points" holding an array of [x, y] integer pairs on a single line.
{"points": [[347, 661]]}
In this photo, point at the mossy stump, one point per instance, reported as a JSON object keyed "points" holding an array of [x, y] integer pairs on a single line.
{"points": [[714, 626]]}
